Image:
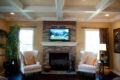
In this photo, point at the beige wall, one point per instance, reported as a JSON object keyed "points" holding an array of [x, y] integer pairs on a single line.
{"points": [[115, 57], [80, 36], [37, 35], [3, 25]]}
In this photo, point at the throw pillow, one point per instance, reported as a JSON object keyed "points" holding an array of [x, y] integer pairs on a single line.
{"points": [[93, 61], [89, 60], [29, 59]]}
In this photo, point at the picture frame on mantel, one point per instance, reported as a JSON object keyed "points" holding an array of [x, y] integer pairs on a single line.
{"points": [[116, 36]]}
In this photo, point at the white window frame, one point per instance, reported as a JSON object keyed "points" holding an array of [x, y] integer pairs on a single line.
{"points": [[85, 37], [32, 36]]}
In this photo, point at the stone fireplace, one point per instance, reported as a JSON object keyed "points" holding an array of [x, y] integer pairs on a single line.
{"points": [[59, 58], [59, 55]]}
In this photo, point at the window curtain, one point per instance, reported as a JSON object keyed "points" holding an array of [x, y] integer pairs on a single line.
{"points": [[104, 39]]}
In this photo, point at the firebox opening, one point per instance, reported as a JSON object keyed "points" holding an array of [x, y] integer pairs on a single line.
{"points": [[59, 61]]}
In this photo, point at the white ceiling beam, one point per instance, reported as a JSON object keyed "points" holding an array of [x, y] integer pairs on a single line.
{"points": [[59, 6], [84, 20], [88, 10], [38, 19], [38, 9], [55, 19], [100, 7], [48, 9], [7, 9], [18, 5], [112, 10]]}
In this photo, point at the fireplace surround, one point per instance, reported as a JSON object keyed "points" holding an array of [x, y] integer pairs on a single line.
{"points": [[58, 48], [64, 57]]}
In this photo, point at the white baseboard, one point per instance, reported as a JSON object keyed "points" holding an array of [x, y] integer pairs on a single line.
{"points": [[118, 73]]}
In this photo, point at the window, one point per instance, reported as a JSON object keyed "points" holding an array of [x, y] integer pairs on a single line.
{"points": [[92, 40], [26, 39]]}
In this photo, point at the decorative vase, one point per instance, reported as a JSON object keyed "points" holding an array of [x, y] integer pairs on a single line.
{"points": [[106, 70]]}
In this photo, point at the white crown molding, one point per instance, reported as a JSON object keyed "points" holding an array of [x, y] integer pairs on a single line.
{"points": [[55, 19]]}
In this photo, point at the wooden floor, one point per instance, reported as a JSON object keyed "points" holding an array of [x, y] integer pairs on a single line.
{"points": [[39, 76]]}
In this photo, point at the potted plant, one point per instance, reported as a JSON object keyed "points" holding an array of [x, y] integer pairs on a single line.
{"points": [[12, 50]]}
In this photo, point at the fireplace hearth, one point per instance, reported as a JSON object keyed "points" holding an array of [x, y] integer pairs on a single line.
{"points": [[59, 61]]}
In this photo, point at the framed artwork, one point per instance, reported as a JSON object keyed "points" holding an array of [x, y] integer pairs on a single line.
{"points": [[116, 35]]}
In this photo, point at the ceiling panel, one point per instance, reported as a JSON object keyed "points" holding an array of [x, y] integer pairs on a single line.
{"points": [[11, 16], [102, 16], [38, 2], [4, 3], [116, 4], [37, 15], [81, 3], [75, 15]]}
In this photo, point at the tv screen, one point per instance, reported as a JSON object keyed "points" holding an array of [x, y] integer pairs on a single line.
{"points": [[59, 34]]}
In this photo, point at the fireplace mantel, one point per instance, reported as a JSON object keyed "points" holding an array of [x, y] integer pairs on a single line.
{"points": [[58, 43]]}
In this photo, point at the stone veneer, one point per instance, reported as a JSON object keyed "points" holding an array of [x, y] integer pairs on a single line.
{"points": [[59, 24], [70, 49]]}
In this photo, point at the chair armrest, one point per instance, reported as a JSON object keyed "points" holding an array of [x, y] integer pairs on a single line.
{"points": [[95, 64], [82, 62], [22, 67]]}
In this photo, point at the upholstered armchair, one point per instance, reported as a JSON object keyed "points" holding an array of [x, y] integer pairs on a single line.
{"points": [[88, 63], [29, 62]]}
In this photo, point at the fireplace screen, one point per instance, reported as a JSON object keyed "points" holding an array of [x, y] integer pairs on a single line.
{"points": [[59, 61]]}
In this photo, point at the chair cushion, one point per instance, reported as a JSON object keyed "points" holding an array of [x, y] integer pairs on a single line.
{"points": [[86, 68], [84, 58], [32, 68], [3, 78]]}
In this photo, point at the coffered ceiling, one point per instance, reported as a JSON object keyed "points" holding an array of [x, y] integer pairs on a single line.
{"points": [[60, 10]]}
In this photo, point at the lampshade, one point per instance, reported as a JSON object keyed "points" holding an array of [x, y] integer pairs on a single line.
{"points": [[102, 47]]}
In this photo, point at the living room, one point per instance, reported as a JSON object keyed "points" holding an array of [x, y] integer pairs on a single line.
{"points": [[76, 17]]}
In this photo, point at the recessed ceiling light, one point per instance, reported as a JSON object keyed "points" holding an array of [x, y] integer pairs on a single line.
{"points": [[12, 13], [107, 14]]}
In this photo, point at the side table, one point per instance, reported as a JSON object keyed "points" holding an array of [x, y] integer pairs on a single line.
{"points": [[102, 70]]}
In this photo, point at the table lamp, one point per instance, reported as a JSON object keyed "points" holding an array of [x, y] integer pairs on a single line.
{"points": [[102, 48]]}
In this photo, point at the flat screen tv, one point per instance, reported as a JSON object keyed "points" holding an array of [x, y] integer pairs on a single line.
{"points": [[59, 34]]}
